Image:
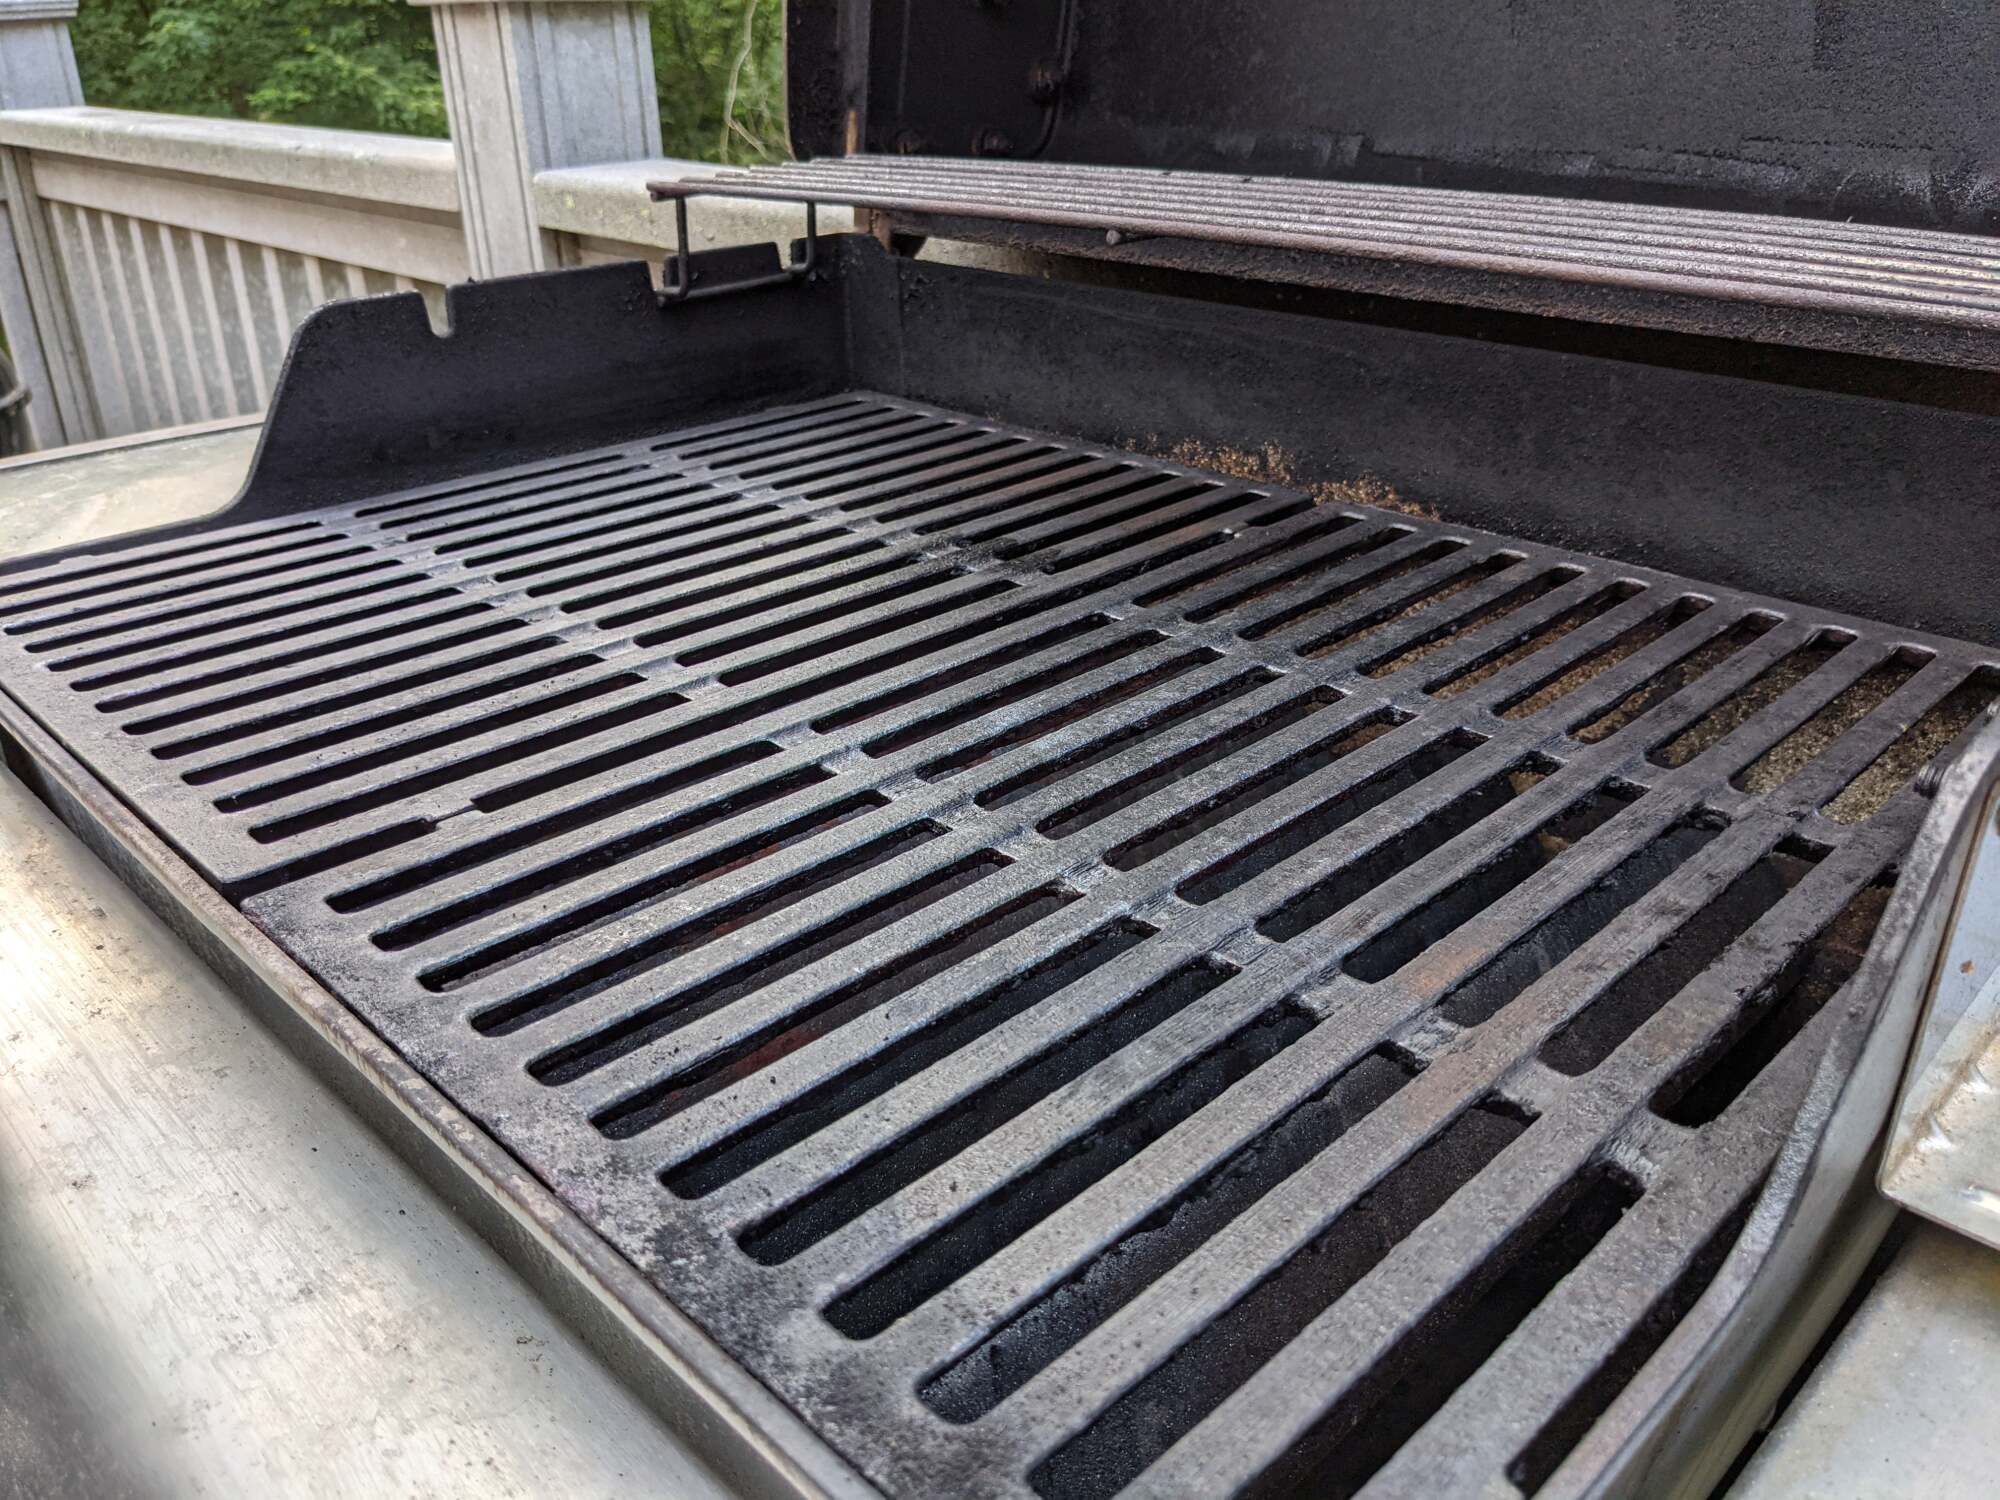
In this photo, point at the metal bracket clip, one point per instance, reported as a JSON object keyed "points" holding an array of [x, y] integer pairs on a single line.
{"points": [[682, 288]]}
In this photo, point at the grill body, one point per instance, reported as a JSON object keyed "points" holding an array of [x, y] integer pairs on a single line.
{"points": [[1084, 971]]}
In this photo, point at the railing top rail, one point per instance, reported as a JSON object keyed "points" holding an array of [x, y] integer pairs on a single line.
{"points": [[609, 202], [407, 170]]}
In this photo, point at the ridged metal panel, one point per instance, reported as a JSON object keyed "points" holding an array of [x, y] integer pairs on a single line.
{"points": [[1083, 973], [1821, 283]]}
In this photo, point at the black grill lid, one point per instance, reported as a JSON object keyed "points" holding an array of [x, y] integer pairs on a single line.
{"points": [[1823, 108]]}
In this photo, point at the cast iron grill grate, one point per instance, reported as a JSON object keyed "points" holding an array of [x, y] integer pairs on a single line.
{"points": [[1087, 975]]}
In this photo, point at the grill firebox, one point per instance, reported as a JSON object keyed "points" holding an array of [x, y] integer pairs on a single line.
{"points": [[1085, 974]]}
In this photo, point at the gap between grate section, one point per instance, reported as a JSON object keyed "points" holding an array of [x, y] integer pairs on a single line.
{"points": [[1085, 974], [1819, 283]]}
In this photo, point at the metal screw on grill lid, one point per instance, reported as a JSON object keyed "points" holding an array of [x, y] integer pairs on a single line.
{"points": [[1045, 81], [994, 142]]}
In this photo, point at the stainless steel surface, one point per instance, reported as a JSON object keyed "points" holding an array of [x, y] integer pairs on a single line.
{"points": [[103, 489], [1943, 1156], [214, 1278], [1832, 270], [1597, 807], [1901, 1405]]}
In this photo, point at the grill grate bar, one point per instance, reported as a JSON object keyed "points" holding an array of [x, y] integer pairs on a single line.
{"points": [[1359, 1017], [78, 601], [1490, 1422], [716, 436], [625, 495], [1267, 1415], [882, 1240], [936, 805], [711, 1124], [193, 623], [1460, 643], [801, 757], [913, 638], [1543, 682], [685, 647], [95, 570], [499, 487], [1139, 894], [514, 554], [1188, 1298], [352, 693], [356, 638]]}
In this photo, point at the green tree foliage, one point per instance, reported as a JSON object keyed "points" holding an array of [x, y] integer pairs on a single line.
{"points": [[371, 65], [358, 64], [721, 70]]}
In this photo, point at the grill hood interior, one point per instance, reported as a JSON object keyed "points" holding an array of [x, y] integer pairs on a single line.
{"points": [[1835, 109]]}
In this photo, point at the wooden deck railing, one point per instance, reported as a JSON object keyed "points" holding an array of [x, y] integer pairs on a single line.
{"points": [[152, 267]]}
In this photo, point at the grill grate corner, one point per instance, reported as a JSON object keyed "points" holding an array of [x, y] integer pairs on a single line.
{"points": [[1085, 975]]}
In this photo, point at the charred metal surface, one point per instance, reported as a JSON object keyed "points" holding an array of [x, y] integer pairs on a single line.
{"points": [[371, 392], [1079, 971], [1695, 311], [1704, 457]]}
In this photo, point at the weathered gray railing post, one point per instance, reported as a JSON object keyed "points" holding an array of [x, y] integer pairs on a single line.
{"points": [[529, 86], [38, 69]]}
